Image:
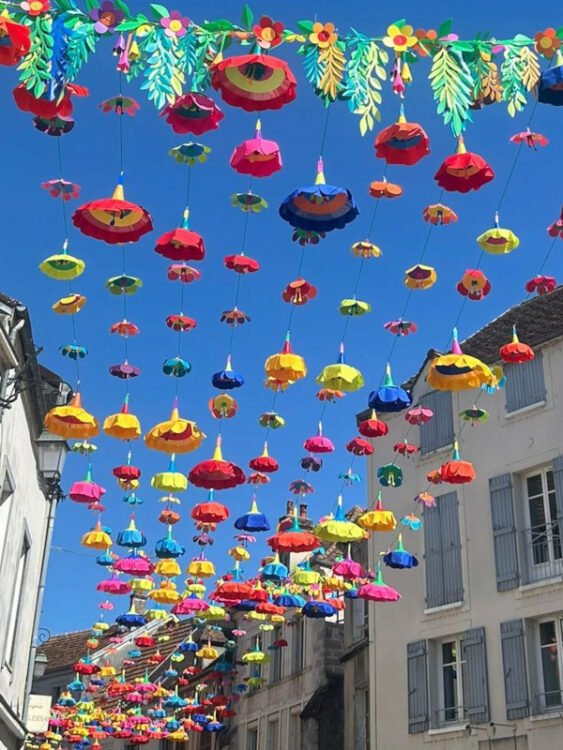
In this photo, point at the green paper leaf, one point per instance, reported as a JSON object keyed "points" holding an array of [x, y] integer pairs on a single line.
{"points": [[445, 28], [305, 27], [452, 84], [91, 4], [247, 17], [400, 23], [159, 11], [221, 24], [559, 33]]}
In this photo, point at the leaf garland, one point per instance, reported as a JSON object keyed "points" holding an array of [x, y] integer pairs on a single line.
{"points": [[81, 43], [312, 65], [514, 69], [333, 63], [487, 87], [36, 65], [452, 85], [163, 79], [362, 86]]}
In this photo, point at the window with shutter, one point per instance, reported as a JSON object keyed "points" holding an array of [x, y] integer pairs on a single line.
{"points": [[442, 552], [417, 681], [439, 431], [525, 384], [476, 684], [504, 532], [515, 672]]}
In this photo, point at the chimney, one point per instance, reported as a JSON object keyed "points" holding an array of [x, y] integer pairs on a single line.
{"points": [[303, 511], [289, 507]]}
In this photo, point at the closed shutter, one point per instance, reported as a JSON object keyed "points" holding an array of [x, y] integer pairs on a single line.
{"points": [[514, 666], [451, 547], [504, 532], [442, 552], [439, 431], [417, 673], [525, 383], [433, 568], [476, 687], [558, 481]]}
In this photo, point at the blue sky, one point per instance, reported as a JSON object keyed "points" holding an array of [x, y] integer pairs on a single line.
{"points": [[32, 229]]}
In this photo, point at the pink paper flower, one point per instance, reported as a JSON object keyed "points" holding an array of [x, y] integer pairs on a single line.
{"points": [[175, 25]]}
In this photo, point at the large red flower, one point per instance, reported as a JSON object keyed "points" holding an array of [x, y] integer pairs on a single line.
{"points": [[464, 171], [14, 41], [402, 143], [45, 107], [254, 82]]}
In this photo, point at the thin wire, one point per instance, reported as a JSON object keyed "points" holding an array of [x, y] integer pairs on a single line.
{"points": [[60, 160], [121, 116], [323, 137]]}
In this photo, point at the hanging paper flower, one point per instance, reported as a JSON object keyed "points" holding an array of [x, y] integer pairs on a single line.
{"points": [[241, 263], [420, 277], [400, 327], [550, 89], [464, 171], [425, 41], [541, 284], [516, 351], [47, 108], [181, 243], [254, 82], [556, 229], [474, 285], [299, 292], [268, 33], [257, 156], [107, 17], [402, 142], [193, 113], [55, 126], [530, 139], [400, 38], [35, 7], [458, 371], [439, 214], [384, 189], [183, 273], [323, 35], [190, 153], [365, 249], [547, 42], [121, 105], [248, 202], [61, 189], [175, 24]]}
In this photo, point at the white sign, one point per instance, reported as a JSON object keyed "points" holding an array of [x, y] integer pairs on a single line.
{"points": [[38, 713]]}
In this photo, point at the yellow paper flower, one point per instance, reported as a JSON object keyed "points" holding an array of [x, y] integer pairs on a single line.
{"points": [[323, 35], [400, 39]]}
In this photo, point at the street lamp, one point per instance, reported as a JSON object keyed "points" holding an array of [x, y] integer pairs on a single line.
{"points": [[51, 455], [40, 665]]}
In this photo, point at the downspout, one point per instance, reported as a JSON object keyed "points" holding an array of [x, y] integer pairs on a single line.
{"points": [[6, 374], [39, 602]]}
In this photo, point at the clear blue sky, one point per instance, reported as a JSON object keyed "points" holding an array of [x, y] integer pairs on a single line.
{"points": [[32, 230]]}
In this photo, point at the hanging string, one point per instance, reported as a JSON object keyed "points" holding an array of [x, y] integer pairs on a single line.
{"points": [[61, 173]]}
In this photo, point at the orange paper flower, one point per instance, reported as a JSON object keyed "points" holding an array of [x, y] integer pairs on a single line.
{"points": [[323, 35], [547, 42]]}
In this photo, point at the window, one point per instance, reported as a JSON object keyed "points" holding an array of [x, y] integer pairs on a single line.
{"points": [[273, 734], [543, 538], [551, 662], [6, 495], [206, 741], [16, 605], [439, 432], [359, 619], [251, 738], [294, 729], [361, 719], [442, 552], [297, 646], [525, 385], [451, 681], [276, 663]]}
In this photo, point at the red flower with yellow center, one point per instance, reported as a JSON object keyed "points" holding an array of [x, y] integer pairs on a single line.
{"points": [[268, 33], [35, 7], [547, 42]]}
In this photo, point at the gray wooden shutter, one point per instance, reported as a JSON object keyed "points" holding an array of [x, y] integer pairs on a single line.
{"points": [[504, 532], [433, 568], [476, 687], [417, 677], [451, 547], [439, 432], [514, 665], [525, 383], [558, 482]]}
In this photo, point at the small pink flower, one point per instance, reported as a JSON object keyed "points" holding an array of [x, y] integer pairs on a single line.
{"points": [[175, 25]]}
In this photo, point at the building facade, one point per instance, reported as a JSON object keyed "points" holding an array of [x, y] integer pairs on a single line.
{"points": [[472, 655], [30, 466]]}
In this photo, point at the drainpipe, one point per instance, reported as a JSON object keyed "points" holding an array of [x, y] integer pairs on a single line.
{"points": [[6, 374], [39, 601]]}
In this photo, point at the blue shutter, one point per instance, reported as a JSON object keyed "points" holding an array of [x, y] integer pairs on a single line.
{"points": [[451, 547], [439, 432], [515, 673], [525, 384], [476, 685], [558, 482], [433, 557], [417, 680], [504, 532]]}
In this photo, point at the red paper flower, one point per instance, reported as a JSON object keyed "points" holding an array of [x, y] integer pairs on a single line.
{"points": [[193, 113], [439, 214], [556, 229], [515, 351], [360, 447], [464, 171], [180, 323], [216, 473], [45, 107], [14, 41], [181, 243], [264, 462], [35, 7], [257, 156], [405, 449], [124, 328], [268, 33], [241, 263], [373, 427], [474, 285], [299, 292], [210, 512], [254, 82], [402, 143], [541, 284]]}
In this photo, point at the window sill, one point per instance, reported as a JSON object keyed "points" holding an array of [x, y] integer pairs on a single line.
{"points": [[433, 453], [525, 409], [539, 586], [454, 729], [553, 715], [443, 609]]}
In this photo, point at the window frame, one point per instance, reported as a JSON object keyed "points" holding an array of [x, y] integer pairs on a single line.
{"points": [[459, 708], [276, 664], [553, 566], [273, 743], [14, 624], [294, 715], [297, 665], [7, 477], [541, 704], [507, 388], [254, 730]]}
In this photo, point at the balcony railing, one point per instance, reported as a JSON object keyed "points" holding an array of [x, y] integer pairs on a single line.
{"points": [[543, 552]]}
